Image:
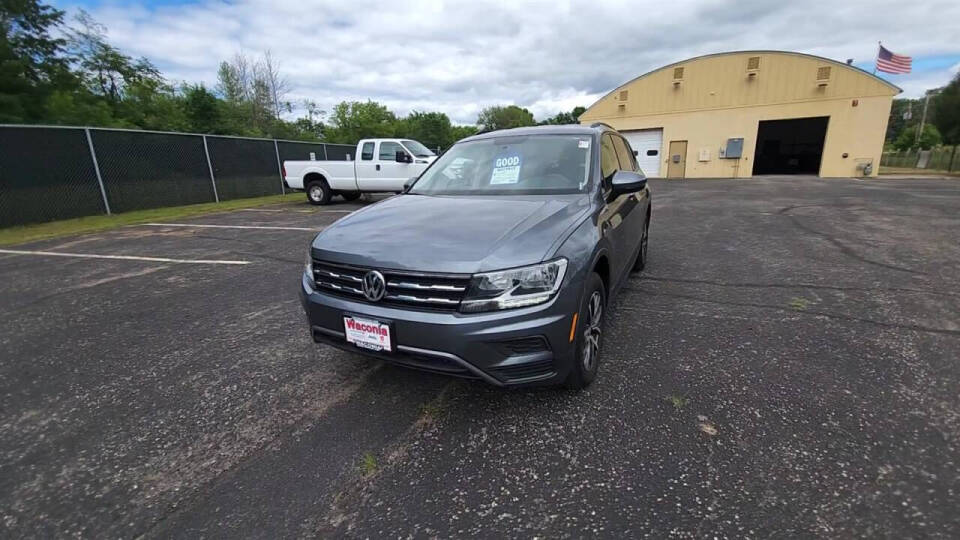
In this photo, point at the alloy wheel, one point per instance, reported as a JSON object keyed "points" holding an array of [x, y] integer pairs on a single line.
{"points": [[591, 332], [316, 192]]}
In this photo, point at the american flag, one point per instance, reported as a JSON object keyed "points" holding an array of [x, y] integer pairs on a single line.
{"points": [[889, 62]]}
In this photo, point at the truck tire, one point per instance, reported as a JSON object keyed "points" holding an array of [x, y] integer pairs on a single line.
{"points": [[350, 195], [318, 192]]}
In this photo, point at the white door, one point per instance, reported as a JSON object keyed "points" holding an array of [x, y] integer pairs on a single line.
{"points": [[648, 144], [388, 174], [366, 165]]}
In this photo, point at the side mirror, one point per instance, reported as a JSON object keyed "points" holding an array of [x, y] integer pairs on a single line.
{"points": [[628, 182], [403, 157], [409, 184]]}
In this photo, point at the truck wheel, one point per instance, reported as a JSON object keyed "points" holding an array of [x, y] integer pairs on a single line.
{"points": [[318, 192], [351, 195], [586, 356]]}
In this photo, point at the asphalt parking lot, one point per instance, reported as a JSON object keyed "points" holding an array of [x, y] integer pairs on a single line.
{"points": [[787, 365]]}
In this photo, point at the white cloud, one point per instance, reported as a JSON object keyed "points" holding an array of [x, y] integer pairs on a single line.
{"points": [[458, 57]]}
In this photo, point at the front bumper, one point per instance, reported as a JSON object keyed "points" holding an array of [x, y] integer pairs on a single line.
{"points": [[525, 346]]}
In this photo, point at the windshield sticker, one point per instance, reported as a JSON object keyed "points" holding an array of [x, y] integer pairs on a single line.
{"points": [[584, 144], [506, 170]]}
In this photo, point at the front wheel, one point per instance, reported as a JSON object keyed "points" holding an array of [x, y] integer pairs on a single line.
{"points": [[589, 334]]}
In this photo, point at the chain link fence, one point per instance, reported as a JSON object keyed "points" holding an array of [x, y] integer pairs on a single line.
{"points": [[944, 158], [49, 173]]}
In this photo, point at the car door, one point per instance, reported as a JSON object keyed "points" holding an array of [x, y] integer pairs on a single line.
{"points": [[388, 174], [611, 217], [366, 165], [634, 207]]}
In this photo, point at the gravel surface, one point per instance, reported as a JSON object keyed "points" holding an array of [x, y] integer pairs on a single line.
{"points": [[785, 366]]}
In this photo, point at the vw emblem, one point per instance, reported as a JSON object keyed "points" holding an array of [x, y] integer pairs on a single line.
{"points": [[374, 286]]}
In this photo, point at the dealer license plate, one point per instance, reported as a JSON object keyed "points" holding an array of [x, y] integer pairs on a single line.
{"points": [[367, 333]]}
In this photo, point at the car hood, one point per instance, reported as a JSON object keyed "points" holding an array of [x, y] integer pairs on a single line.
{"points": [[464, 234]]}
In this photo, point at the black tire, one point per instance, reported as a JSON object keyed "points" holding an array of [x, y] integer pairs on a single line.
{"points": [[589, 334], [641, 261], [350, 195], [318, 192]]}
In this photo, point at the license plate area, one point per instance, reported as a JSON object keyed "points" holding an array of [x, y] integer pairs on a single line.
{"points": [[367, 333]]}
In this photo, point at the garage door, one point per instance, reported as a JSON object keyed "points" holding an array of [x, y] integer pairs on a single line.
{"points": [[647, 143]]}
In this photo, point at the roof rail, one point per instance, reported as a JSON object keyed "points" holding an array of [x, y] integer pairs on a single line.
{"points": [[604, 124]]}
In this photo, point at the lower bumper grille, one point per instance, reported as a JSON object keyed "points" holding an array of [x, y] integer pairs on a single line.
{"points": [[540, 369], [404, 358], [414, 290]]}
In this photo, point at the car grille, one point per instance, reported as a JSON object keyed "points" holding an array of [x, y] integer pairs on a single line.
{"points": [[416, 290]]}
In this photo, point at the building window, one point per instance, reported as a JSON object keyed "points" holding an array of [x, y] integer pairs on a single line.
{"points": [[823, 73], [678, 73], [623, 95], [753, 63]]}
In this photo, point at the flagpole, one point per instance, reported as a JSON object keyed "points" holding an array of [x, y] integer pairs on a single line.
{"points": [[879, 44]]}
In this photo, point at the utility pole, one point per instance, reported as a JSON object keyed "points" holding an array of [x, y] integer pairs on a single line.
{"points": [[923, 118]]}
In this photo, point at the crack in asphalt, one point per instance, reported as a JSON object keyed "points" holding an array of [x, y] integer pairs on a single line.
{"points": [[849, 318], [846, 250], [795, 286]]}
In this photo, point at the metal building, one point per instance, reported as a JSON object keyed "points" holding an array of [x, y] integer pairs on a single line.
{"points": [[740, 114]]}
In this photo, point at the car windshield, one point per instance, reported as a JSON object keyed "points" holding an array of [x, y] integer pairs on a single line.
{"points": [[417, 149], [535, 164]]}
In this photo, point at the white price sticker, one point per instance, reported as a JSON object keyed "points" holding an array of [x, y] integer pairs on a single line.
{"points": [[506, 170]]}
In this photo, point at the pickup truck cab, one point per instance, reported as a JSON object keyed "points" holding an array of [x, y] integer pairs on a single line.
{"points": [[379, 165]]}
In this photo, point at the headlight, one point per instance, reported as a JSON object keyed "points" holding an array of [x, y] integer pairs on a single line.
{"points": [[514, 288], [308, 264]]}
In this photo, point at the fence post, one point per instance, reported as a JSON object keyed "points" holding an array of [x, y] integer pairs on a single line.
{"points": [[213, 182], [276, 148], [953, 154], [96, 168]]}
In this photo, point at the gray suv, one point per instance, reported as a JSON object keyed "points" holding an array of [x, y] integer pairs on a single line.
{"points": [[497, 263]]}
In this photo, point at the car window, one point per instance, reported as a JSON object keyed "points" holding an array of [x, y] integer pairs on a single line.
{"points": [[625, 155], [366, 153], [388, 151], [510, 165], [608, 160]]}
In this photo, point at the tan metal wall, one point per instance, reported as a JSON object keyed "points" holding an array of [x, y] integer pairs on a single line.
{"points": [[717, 99]]}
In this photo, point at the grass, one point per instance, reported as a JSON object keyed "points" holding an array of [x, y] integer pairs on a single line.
{"points": [[368, 465], [90, 224], [799, 303], [678, 402]]}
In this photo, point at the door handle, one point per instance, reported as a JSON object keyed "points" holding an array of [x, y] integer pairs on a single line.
{"points": [[378, 166]]}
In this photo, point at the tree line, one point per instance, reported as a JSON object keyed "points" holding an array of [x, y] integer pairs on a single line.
{"points": [[942, 124], [67, 73]]}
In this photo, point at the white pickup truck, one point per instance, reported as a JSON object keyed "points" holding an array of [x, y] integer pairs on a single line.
{"points": [[379, 165]]}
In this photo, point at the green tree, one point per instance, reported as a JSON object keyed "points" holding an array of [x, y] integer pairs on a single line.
{"points": [[433, 129], [32, 64], [462, 132], [504, 117], [202, 109], [104, 69], [946, 106], [355, 120], [929, 138], [572, 117]]}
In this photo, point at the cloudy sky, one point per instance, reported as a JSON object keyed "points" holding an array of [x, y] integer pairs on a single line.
{"points": [[458, 57]]}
